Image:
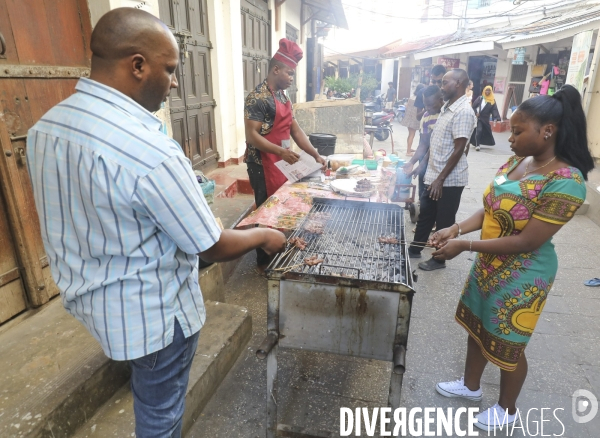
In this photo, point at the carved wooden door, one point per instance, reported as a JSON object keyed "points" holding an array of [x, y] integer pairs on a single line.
{"points": [[192, 105], [256, 31], [44, 49]]}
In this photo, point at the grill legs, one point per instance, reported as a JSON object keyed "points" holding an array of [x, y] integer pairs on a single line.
{"points": [[270, 347], [272, 393], [273, 335], [395, 391]]}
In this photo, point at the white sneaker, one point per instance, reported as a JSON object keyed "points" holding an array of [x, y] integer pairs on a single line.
{"points": [[494, 418], [458, 389], [477, 148]]}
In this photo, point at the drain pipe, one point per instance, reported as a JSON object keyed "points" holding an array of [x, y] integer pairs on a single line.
{"points": [[399, 359], [267, 345]]}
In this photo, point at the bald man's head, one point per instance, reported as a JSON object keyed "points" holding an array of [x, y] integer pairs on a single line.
{"points": [[123, 32], [136, 53], [454, 84], [461, 76]]}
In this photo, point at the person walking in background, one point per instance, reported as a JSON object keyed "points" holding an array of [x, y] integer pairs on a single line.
{"points": [[533, 195], [437, 74], [485, 108], [390, 96], [469, 92], [432, 96], [447, 169], [410, 121], [123, 217]]}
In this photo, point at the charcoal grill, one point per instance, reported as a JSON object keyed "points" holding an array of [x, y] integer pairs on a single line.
{"points": [[356, 302]]}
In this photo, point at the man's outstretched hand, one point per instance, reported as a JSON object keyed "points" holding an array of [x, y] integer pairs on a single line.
{"points": [[274, 241]]}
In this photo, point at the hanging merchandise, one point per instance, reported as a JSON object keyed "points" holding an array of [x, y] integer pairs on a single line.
{"points": [[545, 85], [536, 84]]}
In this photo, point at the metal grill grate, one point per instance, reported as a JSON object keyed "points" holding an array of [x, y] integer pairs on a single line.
{"points": [[345, 235]]}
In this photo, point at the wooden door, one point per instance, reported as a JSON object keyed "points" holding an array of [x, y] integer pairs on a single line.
{"points": [[12, 291], [256, 37], [46, 49], [192, 105]]}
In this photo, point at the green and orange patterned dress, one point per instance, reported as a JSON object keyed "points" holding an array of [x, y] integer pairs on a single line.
{"points": [[504, 294]]}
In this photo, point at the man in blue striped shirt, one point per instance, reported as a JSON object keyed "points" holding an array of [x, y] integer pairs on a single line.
{"points": [[123, 218]]}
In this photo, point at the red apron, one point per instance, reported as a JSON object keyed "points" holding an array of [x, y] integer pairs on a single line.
{"points": [[280, 131]]}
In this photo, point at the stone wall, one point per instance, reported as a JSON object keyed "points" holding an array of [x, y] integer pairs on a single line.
{"points": [[343, 118]]}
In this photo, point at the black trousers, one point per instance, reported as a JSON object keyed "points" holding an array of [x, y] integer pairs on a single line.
{"points": [[421, 184], [441, 213], [256, 175]]}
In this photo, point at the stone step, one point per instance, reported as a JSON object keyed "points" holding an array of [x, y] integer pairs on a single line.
{"points": [[212, 283], [54, 375], [593, 200], [227, 331], [583, 210]]}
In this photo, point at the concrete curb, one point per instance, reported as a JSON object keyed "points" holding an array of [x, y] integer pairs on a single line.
{"points": [[55, 375]]}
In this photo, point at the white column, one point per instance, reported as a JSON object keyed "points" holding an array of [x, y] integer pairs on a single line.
{"points": [[387, 74], [593, 114], [227, 77]]}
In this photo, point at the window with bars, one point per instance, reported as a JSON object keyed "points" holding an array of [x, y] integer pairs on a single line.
{"points": [[518, 75]]}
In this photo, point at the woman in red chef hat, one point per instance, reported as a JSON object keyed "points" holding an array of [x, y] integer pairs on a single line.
{"points": [[269, 124]]}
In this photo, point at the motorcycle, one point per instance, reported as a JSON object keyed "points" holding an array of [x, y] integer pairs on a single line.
{"points": [[375, 105], [383, 120], [346, 95], [400, 109]]}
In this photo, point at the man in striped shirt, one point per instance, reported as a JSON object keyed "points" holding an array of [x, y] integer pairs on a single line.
{"points": [[123, 218], [447, 169]]}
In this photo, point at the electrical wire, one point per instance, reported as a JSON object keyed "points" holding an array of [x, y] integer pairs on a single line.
{"points": [[457, 17], [350, 54], [505, 14]]}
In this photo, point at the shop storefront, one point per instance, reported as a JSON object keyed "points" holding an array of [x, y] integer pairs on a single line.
{"points": [[482, 71]]}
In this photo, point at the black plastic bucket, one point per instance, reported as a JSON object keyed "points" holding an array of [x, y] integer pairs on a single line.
{"points": [[323, 143]]}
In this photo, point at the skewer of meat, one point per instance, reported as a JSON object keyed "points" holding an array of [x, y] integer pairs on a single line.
{"points": [[313, 261], [389, 240], [298, 242]]}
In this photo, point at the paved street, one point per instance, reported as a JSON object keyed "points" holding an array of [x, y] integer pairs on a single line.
{"points": [[563, 353]]}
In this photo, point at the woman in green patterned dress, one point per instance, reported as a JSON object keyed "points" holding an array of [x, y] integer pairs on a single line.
{"points": [[532, 196]]}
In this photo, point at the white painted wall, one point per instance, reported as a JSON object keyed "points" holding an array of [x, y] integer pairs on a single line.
{"points": [[502, 71], [100, 7], [387, 74], [225, 31]]}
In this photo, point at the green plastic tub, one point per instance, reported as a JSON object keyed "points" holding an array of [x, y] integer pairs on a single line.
{"points": [[371, 164]]}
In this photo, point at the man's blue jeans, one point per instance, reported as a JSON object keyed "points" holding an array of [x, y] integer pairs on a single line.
{"points": [[159, 383]]}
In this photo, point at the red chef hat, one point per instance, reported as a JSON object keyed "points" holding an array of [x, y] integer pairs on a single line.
{"points": [[289, 53]]}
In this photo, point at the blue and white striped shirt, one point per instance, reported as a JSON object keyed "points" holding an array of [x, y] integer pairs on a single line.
{"points": [[122, 219]]}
